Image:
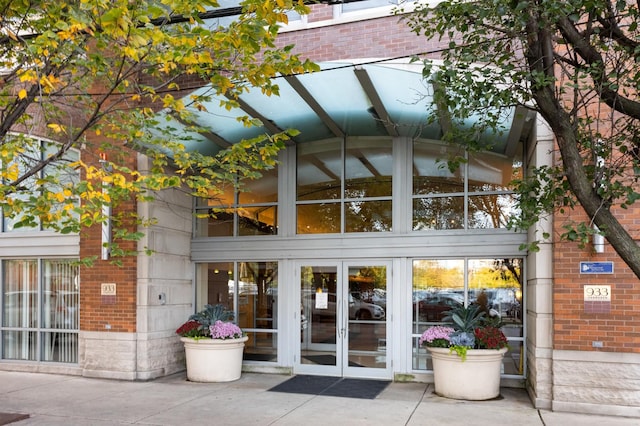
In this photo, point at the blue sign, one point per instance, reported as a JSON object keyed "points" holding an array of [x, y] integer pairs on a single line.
{"points": [[596, 267]]}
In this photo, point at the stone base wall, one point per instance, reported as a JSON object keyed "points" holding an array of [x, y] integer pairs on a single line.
{"points": [[604, 383], [108, 355], [539, 385], [130, 356], [159, 355]]}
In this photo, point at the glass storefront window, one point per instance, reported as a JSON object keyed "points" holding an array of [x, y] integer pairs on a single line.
{"points": [[494, 284], [250, 289], [321, 218], [40, 305], [431, 174], [250, 210], [359, 202], [368, 216], [35, 151], [474, 195], [319, 170], [437, 213], [368, 168]]}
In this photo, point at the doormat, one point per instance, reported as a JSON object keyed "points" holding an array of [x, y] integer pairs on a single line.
{"points": [[332, 386], [328, 360], [6, 418], [258, 357]]}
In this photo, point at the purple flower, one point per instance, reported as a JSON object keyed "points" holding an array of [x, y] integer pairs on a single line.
{"points": [[225, 330], [436, 336]]}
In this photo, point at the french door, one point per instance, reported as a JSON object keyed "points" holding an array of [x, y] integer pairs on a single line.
{"points": [[343, 319]]}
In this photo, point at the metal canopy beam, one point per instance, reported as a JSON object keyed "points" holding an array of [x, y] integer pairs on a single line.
{"points": [[295, 83], [380, 111], [266, 122], [213, 137], [521, 121]]}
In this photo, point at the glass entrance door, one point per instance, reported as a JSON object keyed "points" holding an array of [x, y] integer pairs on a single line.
{"points": [[343, 321]]}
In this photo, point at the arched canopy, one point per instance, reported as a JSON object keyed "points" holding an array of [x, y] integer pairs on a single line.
{"points": [[354, 98]]}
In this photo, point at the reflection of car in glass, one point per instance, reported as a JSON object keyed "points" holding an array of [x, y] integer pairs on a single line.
{"points": [[60, 309], [435, 306], [358, 309], [375, 296]]}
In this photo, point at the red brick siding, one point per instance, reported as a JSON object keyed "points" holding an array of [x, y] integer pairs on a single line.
{"points": [[97, 312], [575, 328]]}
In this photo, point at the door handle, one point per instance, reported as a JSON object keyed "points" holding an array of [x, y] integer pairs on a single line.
{"points": [[345, 319]]}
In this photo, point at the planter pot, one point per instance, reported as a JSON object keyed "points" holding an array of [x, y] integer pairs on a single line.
{"points": [[476, 378], [213, 360]]}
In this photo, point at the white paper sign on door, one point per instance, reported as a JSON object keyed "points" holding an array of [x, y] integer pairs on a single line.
{"points": [[322, 300]]}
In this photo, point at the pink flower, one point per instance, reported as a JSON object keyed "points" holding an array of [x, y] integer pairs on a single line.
{"points": [[436, 336], [225, 330]]}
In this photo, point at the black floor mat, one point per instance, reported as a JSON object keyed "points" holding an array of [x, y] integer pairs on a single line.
{"points": [[327, 360], [259, 357], [332, 386]]}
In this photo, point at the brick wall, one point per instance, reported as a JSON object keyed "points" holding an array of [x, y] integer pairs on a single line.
{"points": [[99, 313], [575, 325], [375, 38]]}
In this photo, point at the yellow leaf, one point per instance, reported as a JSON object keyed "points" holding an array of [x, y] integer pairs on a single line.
{"points": [[22, 94], [56, 127]]}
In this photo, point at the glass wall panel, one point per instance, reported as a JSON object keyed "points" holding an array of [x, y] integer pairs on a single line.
{"points": [[253, 297], [40, 319], [61, 296], [262, 190], [437, 213], [319, 170], [322, 218], [257, 221], [438, 285], [365, 203], [19, 345], [492, 172], [60, 347], [215, 224], [254, 212], [368, 216], [495, 284], [368, 168], [20, 288], [215, 284], [431, 175], [491, 210]]}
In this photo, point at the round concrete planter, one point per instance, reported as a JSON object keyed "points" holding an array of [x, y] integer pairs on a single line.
{"points": [[213, 360], [476, 378]]}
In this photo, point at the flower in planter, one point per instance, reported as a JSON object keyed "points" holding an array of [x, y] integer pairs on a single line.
{"points": [[212, 322], [436, 337], [490, 338], [225, 330], [469, 330]]}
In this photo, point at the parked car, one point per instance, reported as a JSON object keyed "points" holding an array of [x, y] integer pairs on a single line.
{"points": [[435, 305], [358, 309]]}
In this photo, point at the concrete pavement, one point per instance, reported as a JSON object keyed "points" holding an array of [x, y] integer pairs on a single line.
{"points": [[70, 400]]}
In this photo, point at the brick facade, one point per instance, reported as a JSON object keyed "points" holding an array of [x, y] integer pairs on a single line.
{"points": [[107, 313]]}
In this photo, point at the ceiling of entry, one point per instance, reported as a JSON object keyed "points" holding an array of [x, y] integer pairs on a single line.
{"points": [[343, 99]]}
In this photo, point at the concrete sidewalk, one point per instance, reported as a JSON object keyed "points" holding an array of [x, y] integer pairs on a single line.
{"points": [[70, 400]]}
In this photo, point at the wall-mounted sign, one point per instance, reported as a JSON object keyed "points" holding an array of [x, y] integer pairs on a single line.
{"points": [[597, 299], [596, 267], [597, 293], [108, 289]]}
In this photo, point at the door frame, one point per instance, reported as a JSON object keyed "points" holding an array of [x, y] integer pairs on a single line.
{"points": [[342, 367]]}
